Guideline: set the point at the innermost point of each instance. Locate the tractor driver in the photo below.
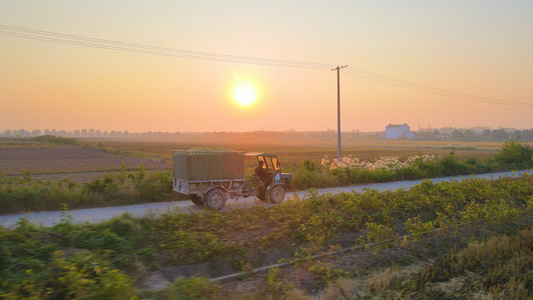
(263, 174)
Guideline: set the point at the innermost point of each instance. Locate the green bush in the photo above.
(155, 186)
(87, 276)
(107, 186)
(515, 153)
(318, 178)
(449, 166)
(18, 195)
(194, 288)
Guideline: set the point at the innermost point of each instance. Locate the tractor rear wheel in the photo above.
(196, 199)
(277, 194)
(215, 199)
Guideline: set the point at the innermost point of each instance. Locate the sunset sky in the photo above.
(476, 48)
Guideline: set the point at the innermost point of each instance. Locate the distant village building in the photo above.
(395, 132)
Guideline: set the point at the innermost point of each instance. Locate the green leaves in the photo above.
(515, 153)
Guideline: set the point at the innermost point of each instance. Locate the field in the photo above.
(293, 152)
(80, 164)
(99, 157)
(446, 240)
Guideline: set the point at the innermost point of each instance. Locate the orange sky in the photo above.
(480, 48)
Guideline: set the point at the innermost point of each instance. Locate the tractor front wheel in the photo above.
(277, 194)
(215, 199)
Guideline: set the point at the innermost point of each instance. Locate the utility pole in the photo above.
(339, 111)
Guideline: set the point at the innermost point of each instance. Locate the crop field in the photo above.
(77, 163)
(99, 157)
(294, 152)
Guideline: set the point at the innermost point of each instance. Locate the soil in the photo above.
(79, 164)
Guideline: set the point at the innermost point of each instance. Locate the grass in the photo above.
(69, 258)
(116, 188)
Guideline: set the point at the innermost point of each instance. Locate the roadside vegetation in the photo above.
(350, 170)
(120, 187)
(117, 188)
(449, 239)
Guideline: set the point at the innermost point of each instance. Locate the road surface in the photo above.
(95, 215)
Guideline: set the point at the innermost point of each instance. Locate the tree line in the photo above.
(83, 133)
(486, 134)
(448, 133)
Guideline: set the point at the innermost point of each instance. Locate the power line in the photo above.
(356, 72)
(77, 40)
(152, 50)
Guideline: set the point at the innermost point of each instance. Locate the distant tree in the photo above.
(486, 134)
(457, 135)
(500, 134)
(63, 133)
(517, 134)
(47, 132)
(54, 132)
(8, 133)
(84, 132)
(36, 132)
(98, 132)
(91, 132)
(24, 133)
(469, 134)
(527, 134)
(77, 133)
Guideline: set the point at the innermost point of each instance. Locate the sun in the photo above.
(244, 93)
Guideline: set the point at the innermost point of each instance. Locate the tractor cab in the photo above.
(267, 176)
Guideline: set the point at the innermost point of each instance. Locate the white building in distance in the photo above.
(396, 132)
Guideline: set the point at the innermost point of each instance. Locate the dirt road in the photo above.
(95, 215)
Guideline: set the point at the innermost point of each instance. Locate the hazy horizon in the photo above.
(79, 132)
(477, 51)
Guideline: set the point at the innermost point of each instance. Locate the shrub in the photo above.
(449, 166)
(194, 288)
(515, 153)
(155, 186)
(86, 276)
(106, 186)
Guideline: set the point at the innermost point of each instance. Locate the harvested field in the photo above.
(81, 177)
(57, 162)
(292, 152)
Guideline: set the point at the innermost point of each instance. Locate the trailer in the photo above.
(212, 177)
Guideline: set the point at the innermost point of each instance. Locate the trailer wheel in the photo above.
(215, 199)
(277, 194)
(196, 199)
